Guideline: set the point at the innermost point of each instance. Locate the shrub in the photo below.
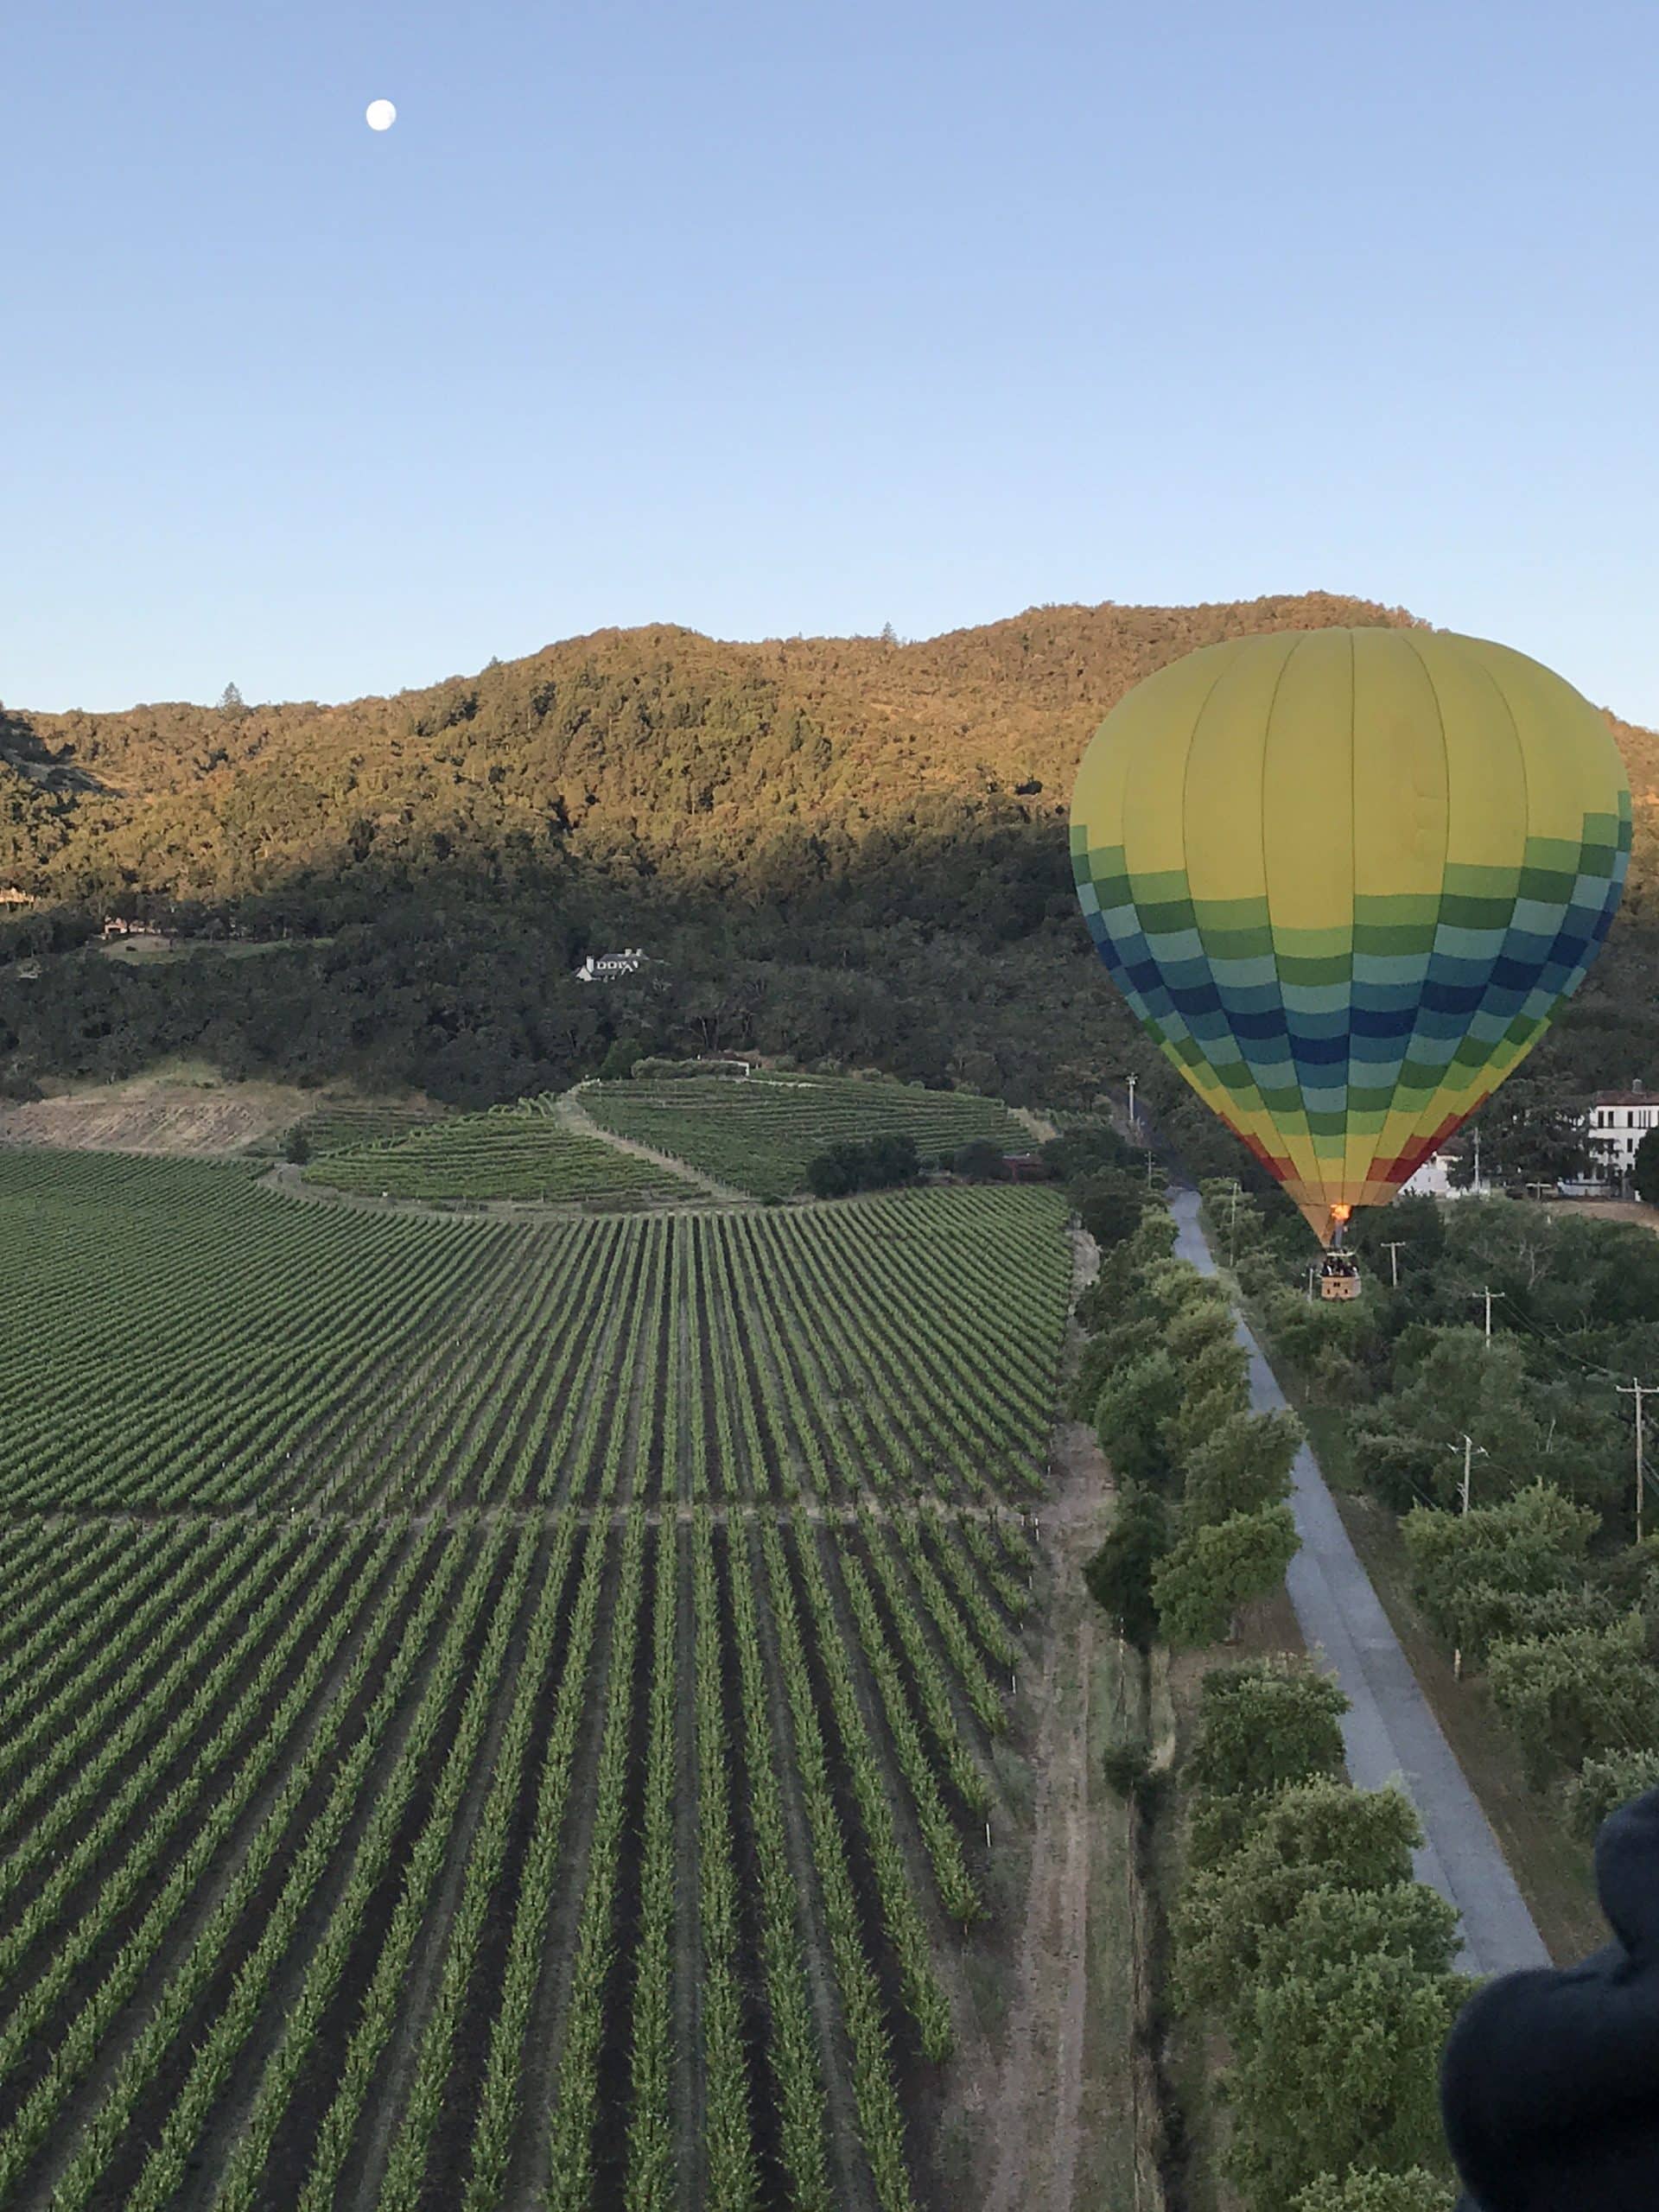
(1267, 1725)
(1407, 1921)
(1126, 1767)
(1318, 1835)
(1216, 1569)
(1244, 1464)
(1130, 1414)
(1604, 1783)
(1568, 1698)
(618, 1063)
(1368, 2188)
(981, 1161)
(1342, 2064)
(1119, 1574)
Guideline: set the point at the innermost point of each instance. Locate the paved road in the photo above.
(1390, 1731)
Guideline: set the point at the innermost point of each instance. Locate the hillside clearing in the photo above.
(157, 1117)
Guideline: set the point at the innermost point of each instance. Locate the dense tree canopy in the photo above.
(831, 847)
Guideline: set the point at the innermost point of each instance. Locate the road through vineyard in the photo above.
(506, 1714)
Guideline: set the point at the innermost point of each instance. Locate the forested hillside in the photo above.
(848, 848)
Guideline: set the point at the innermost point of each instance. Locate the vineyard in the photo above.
(503, 1714)
(346, 1124)
(759, 1134)
(516, 1154)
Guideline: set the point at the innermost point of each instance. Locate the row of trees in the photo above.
(1567, 1639)
(880, 1163)
(1528, 1575)
(1300, 1927)
(1202, 1525)
(1574, 1309)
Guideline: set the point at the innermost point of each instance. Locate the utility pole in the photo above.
(1232, 1220)
(1313, 1270)
(1489, 1294)
(1132, 1081)
(1392, 1247)
(1476, 1133)
(1638, 1391)
(1470, 1448)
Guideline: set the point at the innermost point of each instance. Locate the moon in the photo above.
(380, 115)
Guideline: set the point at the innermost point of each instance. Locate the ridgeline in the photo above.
(835, 848)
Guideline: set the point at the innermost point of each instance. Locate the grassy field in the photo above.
(495, 1714)
(497, 1155)
(759, 1134)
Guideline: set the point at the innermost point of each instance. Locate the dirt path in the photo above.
(693, 1192)
(1034, 2105)
(1039, 1125)
(291, 1184)
(574, 1117)
(530, 1213)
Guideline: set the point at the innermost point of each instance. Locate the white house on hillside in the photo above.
(600, 969)
(1617, 1121)
(1431, 1180)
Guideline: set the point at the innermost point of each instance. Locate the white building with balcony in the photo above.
(597, 967)
(1617, 1121)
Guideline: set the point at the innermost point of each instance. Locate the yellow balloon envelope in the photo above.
(1345, 878)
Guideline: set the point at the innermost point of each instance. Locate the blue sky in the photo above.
(770, 319)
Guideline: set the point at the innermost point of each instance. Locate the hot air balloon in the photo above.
(1345, 878)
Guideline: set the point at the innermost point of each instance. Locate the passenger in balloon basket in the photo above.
(1549, 2081)
(1338, 1274)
